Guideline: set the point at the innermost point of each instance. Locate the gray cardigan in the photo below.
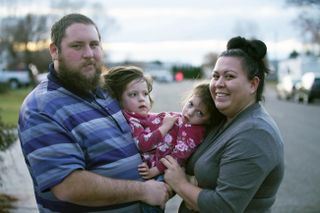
(241, 166)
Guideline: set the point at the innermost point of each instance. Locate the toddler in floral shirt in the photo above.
(166, 133)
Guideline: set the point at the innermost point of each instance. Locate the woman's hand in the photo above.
(174, 174)
(177, 179)
(192, 180)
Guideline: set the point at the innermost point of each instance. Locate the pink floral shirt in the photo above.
(180, 142)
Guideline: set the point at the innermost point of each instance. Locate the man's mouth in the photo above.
(89, 63)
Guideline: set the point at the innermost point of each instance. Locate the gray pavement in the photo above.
(16, 180)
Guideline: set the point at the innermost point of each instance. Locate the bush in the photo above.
(7, 135)
(4, 87)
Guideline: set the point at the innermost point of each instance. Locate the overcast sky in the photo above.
(185, 30)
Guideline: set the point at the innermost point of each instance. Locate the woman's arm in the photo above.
(178, 181)
(232, 177)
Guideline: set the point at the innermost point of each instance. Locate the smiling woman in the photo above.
(240, 164)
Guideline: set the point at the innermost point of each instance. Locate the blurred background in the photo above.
(177, 43)
(162, 34)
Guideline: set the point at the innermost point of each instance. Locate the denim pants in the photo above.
(146, 208)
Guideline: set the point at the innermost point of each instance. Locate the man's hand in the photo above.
(156, 193)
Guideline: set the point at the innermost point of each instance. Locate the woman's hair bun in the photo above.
(254, 48)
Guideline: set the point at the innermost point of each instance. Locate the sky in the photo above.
(184, 31)
(187, 30)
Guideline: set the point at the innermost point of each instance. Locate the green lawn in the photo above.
(10, 104)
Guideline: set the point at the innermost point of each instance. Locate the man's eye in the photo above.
(94, 45)
(76, 46)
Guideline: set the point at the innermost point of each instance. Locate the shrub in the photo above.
(4, 87)
(7, 135)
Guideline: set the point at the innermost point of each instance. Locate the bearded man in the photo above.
(76, 142)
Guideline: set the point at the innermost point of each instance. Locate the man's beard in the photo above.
(76, 81)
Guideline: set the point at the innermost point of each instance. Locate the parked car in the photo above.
(308, 88)
(15, 78)
(160, 75)
(158, 71)
(286, 87)
(290, 73)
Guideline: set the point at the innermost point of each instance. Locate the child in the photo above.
(160, 134)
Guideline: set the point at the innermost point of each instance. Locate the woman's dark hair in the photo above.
(202, 91)
(58, 30)
(117, 78)
(252, 53)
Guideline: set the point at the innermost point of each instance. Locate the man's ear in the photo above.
(53, 51)
(254, 84)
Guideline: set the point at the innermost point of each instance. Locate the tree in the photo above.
(309, 19)
(23, 39)
(22, 35)
(209, 61)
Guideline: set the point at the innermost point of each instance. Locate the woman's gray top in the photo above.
(239, 167)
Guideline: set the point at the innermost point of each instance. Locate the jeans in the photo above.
(146, 208)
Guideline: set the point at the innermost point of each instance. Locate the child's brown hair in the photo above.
(202, 91)
(117, 78)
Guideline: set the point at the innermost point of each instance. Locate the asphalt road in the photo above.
(299, 124)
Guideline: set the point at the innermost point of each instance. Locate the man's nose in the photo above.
(87, 52)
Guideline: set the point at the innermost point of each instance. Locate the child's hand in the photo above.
(167, 124)
(169, 120)
(146, 172)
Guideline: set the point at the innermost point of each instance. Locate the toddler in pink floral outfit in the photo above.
(166, 133)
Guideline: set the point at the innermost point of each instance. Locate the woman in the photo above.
(240, 165)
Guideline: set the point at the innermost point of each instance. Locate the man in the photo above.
(76, 142)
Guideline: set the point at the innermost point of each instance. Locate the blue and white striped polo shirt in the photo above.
(61, 132)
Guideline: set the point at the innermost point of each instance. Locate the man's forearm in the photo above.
(89, 189)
